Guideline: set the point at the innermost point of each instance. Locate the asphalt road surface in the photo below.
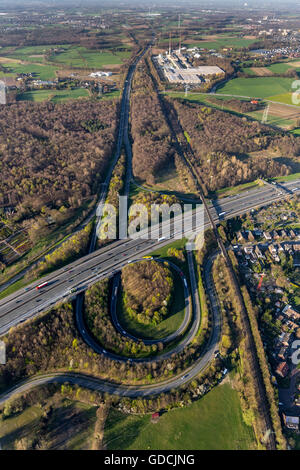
(80, 274)
(137, 390)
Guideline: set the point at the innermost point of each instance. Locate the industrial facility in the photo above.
(177, 69)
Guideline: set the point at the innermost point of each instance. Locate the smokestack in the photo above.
(179, 33)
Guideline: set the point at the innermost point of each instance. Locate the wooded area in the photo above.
(147, 287)
(153, 149)
(53, 157)
(222, 142)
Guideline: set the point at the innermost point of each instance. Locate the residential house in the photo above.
(258, 252)
(291, 313)
(291, 422)
(282, 369)
(283, 353)
(284, 339)
(283, 234)
(267, 235)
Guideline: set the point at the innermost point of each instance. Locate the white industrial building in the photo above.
(177, 69)
(100, 74)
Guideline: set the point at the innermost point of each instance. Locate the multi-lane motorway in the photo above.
(106, 261)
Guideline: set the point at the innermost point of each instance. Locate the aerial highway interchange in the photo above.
(72, 280)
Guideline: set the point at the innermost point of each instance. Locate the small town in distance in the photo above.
(149, 229)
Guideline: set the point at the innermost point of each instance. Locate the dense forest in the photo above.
(222, 142)
(147, 288)
(53, 157)
(55, 35)
(153, 149)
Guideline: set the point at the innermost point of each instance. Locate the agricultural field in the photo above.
(279, 68)
(223, 41)
(55, 96)
(213, 422)
(46, 65)
(272, 88)
(41, 72)
(77, 56)
(71, 426)
(209, 41)
(29, 53)
(261, 87)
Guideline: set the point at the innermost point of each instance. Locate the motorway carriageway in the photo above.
(132, 391)
(105, 262)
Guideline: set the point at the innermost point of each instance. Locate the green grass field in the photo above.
(111, 95)
(248, 71)
(261, 87)
(19, 426)
(29, 53)
(236, 189)
(285, 98)
(279, 68)
(71, 56)
(77, 56)
(223, 41)
(295, 131)
(41, 72)
(55, 96)
(211, 423)
(164, 328)
(61, 433)
(202, 98)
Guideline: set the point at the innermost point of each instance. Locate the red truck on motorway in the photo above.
(42, 285)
